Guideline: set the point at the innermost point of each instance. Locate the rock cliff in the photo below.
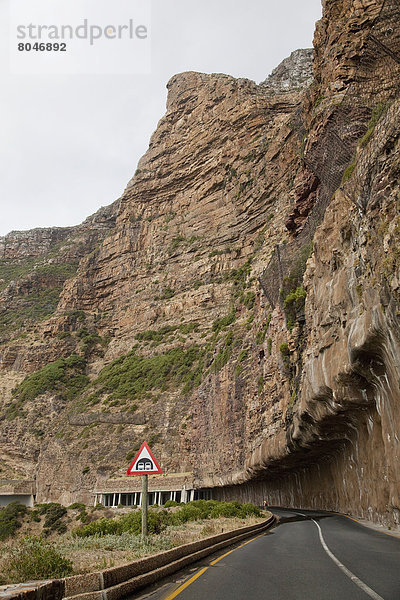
(239, 306)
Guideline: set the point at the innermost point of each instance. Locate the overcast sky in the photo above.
(70, 143)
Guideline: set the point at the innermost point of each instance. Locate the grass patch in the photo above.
(159, 520)
(34, 307)
(348, 172)
(220, 324)
(377, 112)
(249, 300)
(64, 375)
(158, 336)
(284, 350)
(132, 375)
(35, 559)
(224, 354)
(11, 271)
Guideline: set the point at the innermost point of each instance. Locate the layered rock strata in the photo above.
(297, 401)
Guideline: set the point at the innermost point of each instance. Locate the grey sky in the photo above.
(70, 143)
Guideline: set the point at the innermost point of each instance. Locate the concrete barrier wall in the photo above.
(34, 590)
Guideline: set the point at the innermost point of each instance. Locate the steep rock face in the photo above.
(340, 39)
(210, 187)
(340, 449)
(295, 72)
(35, 264)
(344, 431)
(24, 244)
(196, 210)
(254, 394)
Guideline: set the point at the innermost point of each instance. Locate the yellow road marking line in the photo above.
(186, 584)
(233, 550)
(192, 579)
(372, 528)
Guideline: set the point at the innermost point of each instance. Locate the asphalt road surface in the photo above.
(308, 556)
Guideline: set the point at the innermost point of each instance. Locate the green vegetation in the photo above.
(157, 336)
(59, 271)
(377, 112)
(42, 299)
(293, 304)
(284, 350)
(10, 519)
(224, 353)
(89, 340)
(53, 514)
(11, 271)
(250, 320)
(249, 300)
(167, 294)
(239, 278)
(230, 173)
(180, 240)
(34, 559)
(260, 336)
(160, 519)
(130, 523)
(77, 506)
(65, 375)
(293, 398)
(292, 294)
(77, 315)
(169, 216)
(133, 451)
(318, 101)
(348, 172)
(243, 355)
(187, 328)
(36, 307)
(220, 324)
(269, 346)
(166, 333)
(226, 250)
(132, 375)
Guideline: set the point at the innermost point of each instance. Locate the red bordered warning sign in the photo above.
(144, 463)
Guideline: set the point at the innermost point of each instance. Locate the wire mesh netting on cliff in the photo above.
(364, 109)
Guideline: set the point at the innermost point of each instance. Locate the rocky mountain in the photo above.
(239, 306)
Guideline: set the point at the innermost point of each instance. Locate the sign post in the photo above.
(144, 464)
(145, 487)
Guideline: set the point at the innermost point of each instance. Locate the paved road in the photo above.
(309, 556)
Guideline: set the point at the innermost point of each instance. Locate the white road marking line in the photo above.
(346, 571)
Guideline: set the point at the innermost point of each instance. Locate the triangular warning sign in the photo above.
(144, 463)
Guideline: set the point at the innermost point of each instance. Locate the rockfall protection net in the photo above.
(375, 85)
